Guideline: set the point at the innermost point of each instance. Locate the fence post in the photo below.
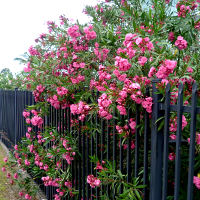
(157, 138)
(16, 89)
(1, 110)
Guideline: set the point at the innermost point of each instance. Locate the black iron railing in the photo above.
(150, 155)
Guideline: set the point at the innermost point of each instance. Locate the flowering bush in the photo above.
(106, 66)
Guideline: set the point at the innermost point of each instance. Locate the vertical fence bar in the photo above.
(114, 145)
(97, 151)
(192, 142)
(178, 142)
(137, 141)
(114, 139)
(129, 151)
(166, 142)
(121, 156)
(108, 150)
(92, 154)
(16, 132)
(80, 166)
(146, 150)
(102, 145)
(83, 163)
(88, 164)
(156, 147)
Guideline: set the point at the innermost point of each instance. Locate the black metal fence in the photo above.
(12, 124)
(147, 160)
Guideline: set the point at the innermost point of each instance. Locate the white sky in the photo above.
(22, 21)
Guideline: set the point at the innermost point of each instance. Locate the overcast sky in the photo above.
(21, 21)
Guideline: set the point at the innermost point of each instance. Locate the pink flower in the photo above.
(132, 124)
(27, 163)
(198, 138)
(121, 109)
(93, 181)
(37, 121)
(171, 36)
(40, 88)
(8, 175)
(147, 104)
(173, 137)
(5, 159)
(166, 68)
(21, 194)
(16, 176)
(173, 124)
(152, 71)
(122, 63)
(73, 31)
(27, 196)
(142, 60)
(26, 114)
(3, 169)
(99, 166)
(16, 147)
(189, 69)
(89, 33)
(172, 156)
(181, 43)
(62, 91)
(28, 120)
(196, 181)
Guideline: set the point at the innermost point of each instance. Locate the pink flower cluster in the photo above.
(182, 9)
(122, 63)
(77, 79)
(142, 60)
(26, 196)
(147, 104)
(81, 109)
(101, 54)
(26, 114)
(104, 103)
(28, 68)
(69, 155)
(61, 91)
(173, 123)
(89, 33)
(37, 93)
(93, 181)
(121, 77)
(131, 40)
(37, 121)
(166, 68)
(103, 75)
(181, 43)
(33, 51)
(56, 103)
(73, 31)
(50, 182)
(127, 129)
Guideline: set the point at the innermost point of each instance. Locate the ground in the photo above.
(7, 191)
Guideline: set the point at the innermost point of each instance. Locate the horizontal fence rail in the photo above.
(147, 160)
